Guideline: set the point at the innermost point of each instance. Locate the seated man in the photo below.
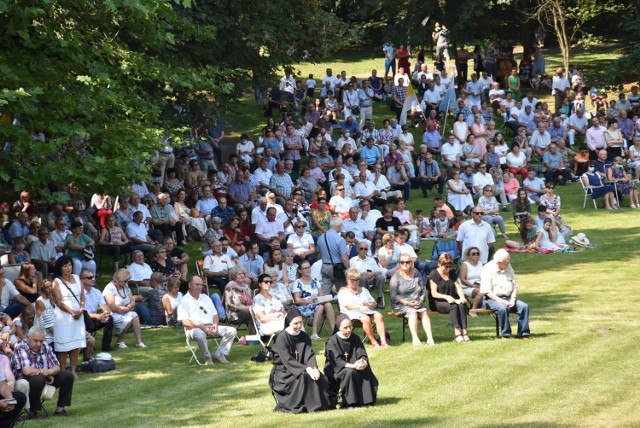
(137, 233)
(370, 272)
(366, 190)
(398, 177)
(356, 302)
(204, 206)
(429, 175)
(11, 403)
(200, 320)
(162, 219)
(268, 229)
(93, 299)
(223, 211)
(557, 171)
(452, 155)
(140, 272)
(357, 225)
(216, 267)
(57, 213)
(179, 258)
(533, 185)
(35, 361)
(43, 253)
(500, 289)
(370, 153)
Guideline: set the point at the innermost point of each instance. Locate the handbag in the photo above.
(85, 315)
(355, 110)
(338, 269)
(89, 253)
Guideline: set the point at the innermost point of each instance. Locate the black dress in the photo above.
(357, 388)
(457, 312)
(292, 387)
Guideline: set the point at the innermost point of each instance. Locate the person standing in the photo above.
(500, 289)
(333, 250)
(559, 88)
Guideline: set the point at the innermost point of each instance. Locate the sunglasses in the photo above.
(474, 254)
(405, 262)
(88, 277)
(363, 249)
(268, 282)
(477, 213)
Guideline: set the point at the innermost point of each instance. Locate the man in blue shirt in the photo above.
(370, 153)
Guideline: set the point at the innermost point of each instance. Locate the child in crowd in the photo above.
(424, 225)
(443, 230)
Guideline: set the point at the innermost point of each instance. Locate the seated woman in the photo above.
(471, 153)
(118, 296)
(115, 241)
(27, 282)
(449, 297)
(388, 255)
(623, 183)
(301, 243)
(550, 201)
(74, 245)
(521, 206)
(305, 291)
(275, 261)
(189, 218)
(458, 195)
(510, 185)
(469, 276)
(269, 310)
(237, 299)
(233, 231)
(24, 322)
(408, 296)
(358, 304)
(593, 183)
(18, 252)
(290, 268)
(406, 220)
(279, 290)
(347, 367)
(170, 302)
(546, 240)
(163, 264)
(528, 232)
(517, 161)
(297, 384)
(491, 208)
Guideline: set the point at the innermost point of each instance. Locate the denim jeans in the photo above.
(502, 311)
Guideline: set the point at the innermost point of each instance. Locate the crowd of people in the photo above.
(297, 219)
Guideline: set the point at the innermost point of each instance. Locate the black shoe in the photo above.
(379, 303)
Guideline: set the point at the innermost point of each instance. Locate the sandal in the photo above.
(466, 338)
(431, 342)
(458, 338)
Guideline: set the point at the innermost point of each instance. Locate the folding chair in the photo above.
(587, 192)
(260, 335)
(200, 270)
(194, 349)
(449, 246)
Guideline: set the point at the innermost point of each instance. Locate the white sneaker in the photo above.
(122, 345)
(141, 345)
(315, 337)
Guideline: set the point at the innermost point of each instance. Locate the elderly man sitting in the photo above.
(371, 274)
(35, 361)
(356, 302)
(500, 289)
(200, 319)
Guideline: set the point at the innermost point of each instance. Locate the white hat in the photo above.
(580, 239)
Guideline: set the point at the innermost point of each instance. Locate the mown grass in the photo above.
(579, 368)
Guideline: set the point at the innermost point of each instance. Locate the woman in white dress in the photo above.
(268, 310)
(170, 302)
(459, 196)
(469, 276)
(118, 296)
(68, 328)
(547, 237)
(184, 214)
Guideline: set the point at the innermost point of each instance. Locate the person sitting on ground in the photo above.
(306, 290)
(449, 298)
(528, 233)
(200, 319)
(297, 384)
(521, 206)
(408, 296)
(117, 295)
(546, 241)
(347, 366)
(358, 304)
(35, 361)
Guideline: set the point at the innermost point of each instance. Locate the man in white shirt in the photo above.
(266, 230)
(514, 115)
(331, 79)
(371, 274)
(540, 140)
(533, 185)
(370, 216)
(339, 202)
(423, 72)
(530, 100)
(577, 125)
(382, 183)
(527, 120)
(356, 225)
(200, 319)
(401, 74)
(430, 100)
(483, 178)
(496, 95)
(476, 233)
(559, 88)
(216, 267)
(486, 82)
(366, 190)
(474, 91)
(94, 300)
(8, 293)
(452, 155)
(137, 233)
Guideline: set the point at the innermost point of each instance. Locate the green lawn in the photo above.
(577, 370)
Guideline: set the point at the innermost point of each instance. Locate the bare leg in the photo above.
(317, 319)
(62, 359)
(477, 300)
(124, 331)
(135, 326)
(426, 325)
(73, 357)
(382, 332)
(413, 328)
(331, 316)
(368, 329)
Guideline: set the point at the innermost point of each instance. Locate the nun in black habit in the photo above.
(347, 366)
(297, 384)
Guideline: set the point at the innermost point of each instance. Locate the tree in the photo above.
(568, 19)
